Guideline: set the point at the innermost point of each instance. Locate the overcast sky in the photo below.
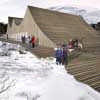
(17, 7)
(12, 8)
(46, 3)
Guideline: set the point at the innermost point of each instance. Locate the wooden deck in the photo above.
(87, 72)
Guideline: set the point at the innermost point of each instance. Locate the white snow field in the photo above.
(26, 77)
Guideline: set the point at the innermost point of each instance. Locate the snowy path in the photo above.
(25, 77)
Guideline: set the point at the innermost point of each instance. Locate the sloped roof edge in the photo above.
(52, 11)
(16, 19)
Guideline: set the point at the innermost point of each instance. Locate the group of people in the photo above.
(61, 52)
(31, 40)
(73, 43)
(61, 55)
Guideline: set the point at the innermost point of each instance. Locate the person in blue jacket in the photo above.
(58, 55)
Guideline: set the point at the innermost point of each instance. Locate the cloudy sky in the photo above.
(12, 8)
(46, 3)
(17, 7)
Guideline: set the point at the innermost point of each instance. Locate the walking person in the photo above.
(29, 41)
(33, 40)
(23, 38)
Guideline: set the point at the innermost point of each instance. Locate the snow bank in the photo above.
(25, 77)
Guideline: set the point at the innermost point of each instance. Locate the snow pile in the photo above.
(25, 77)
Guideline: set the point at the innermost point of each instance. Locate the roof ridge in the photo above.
(15, 17)
(53, 11)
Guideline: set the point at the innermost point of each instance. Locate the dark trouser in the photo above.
(65, 60)
(33, 45)
(58, 60)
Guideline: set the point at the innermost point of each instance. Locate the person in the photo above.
(65, 55)
(7, 36)
(23, 38)
(58, 55)
(33, 40)
(70, 44)
(76, 43)
(29, 41)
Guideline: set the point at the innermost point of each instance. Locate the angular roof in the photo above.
(60, 27)
(16, 20)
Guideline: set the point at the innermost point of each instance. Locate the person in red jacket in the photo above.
(33, 41)
(70, 44)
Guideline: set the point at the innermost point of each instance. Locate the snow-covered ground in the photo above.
(25, 77)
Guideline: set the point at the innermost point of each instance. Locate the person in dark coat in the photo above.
(23, 38)
(7, 36)
(65, 55)
(76, 43)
